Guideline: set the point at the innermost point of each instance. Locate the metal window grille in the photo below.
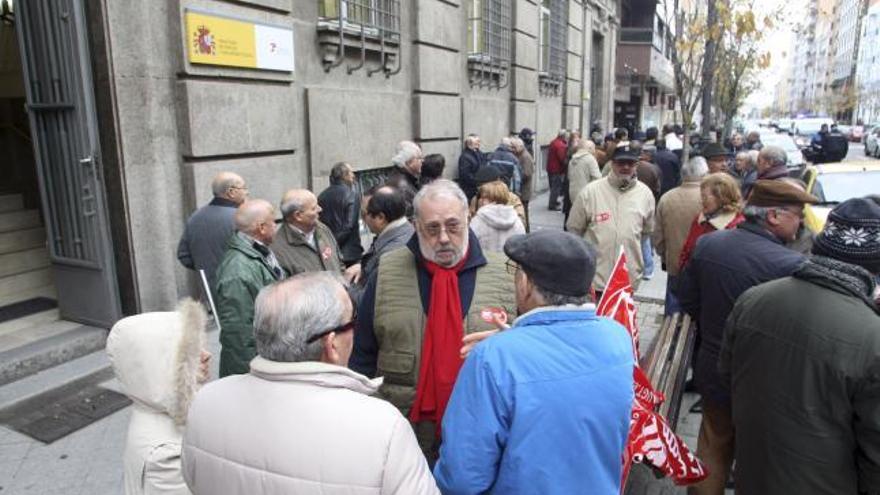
(553, 33)
(489, 23)
(381, 15)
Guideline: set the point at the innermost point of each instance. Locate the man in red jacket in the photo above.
(556, 167)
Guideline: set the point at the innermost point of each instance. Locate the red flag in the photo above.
(650, 439)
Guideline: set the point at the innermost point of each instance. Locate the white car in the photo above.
(793, 153)
(872, 143)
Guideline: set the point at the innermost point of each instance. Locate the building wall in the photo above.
(869, 67)
(180, 123)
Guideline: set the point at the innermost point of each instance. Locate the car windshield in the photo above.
(784, 142)
(839, 187)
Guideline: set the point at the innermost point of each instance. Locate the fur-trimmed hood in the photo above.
(156, 357)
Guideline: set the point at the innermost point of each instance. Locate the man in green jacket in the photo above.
(247, 267)
(802, 356)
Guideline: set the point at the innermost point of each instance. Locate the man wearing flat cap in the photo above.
(723, 265)
(543, 406)
(803, 353)
(615, 211)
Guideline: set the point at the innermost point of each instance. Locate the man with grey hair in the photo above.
(340, 211)
(723, 265)
(307, 418)
(470, 161)
(248, 266)
(744, 171)
(407, 161)
(771, 163)
(420, 303)
(203, 242)
(304, 243)
(676, 211)
(527, 169)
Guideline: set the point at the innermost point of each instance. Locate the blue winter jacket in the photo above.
(543, 407)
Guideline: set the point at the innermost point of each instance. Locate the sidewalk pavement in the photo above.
(89, 461)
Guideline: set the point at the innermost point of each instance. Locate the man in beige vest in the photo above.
(420, 303)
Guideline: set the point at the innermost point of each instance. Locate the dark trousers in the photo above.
(555, 190)
(526, 209)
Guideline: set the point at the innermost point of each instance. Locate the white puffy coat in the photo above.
(303, 428)
(156, 358)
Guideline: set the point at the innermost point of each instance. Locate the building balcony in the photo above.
(639, 58)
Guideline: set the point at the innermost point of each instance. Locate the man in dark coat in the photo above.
(203, 242)
(469, 163)
(507, 164)
(725, 264)
(803, 356)
(670, 167)
(340, 210)
(407, 161)
(385, 215)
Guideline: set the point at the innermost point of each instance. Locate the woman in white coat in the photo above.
(160, 360)
(495, 220)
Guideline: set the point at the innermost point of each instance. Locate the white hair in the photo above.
(439, 188)
(695, 168)
(406, 151)
(774, 154)
(250, 213)
(287, 313)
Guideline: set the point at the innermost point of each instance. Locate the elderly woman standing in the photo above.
(722, 209)
(495, 220)
(583, 167)
(160, 360)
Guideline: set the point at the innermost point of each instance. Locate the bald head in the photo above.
(229, 185)
(299, 207)
(256, 218)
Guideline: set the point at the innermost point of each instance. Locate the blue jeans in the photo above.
(648, 256)
(672, 305)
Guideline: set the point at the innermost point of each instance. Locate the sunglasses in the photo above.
(345, 327)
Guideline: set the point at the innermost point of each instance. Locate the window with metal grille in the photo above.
(488, 42)
(366, 27)
(553, 40)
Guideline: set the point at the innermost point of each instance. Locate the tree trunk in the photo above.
(708, 68)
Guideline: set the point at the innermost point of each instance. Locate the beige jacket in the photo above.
(676, 211)
(304, 428)
(155, 356)
(608, 219)
(582, 169)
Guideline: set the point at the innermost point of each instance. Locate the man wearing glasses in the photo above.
(544, 406)
(724, 265)
(420, 303)
(301, 421)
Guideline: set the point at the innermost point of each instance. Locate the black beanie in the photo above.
(852, 234)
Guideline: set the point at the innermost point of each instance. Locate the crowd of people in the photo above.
(461, 351)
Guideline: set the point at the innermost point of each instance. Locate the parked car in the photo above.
(855, 133)
(834, 183)
(872, 143)
(794, 154)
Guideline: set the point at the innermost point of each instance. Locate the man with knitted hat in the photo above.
(802, 354)
(723, 265)
(543, 406)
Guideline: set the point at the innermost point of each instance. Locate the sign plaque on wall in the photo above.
(219, 40)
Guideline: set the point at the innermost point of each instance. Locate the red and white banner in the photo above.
(650, 439)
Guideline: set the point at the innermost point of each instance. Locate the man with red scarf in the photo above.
(420, 303)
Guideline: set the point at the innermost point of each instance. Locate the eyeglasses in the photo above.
(511, 266)
(451, 227)
(241, 188)
(341, 328)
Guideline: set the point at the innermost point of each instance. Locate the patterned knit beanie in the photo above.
(852, 234)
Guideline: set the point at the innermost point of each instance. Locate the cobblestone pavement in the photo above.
(89, 461)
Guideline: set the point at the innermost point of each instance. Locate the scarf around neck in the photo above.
(839, 276)
(444, 329)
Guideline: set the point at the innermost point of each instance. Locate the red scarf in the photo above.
(441, 360)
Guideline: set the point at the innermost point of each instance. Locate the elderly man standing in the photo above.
(744, 172)
(676, 211)
(615, 211)
(724, 265)
(717, 157)
(300, 421)
(583, 168)
(340, 209)
(470, 161)
(771, 163)
(247, 267)
(407, 161)
(385, 215)
(527, 168)
(803, 354)
(421, 302)
(507, 164)
(203, 242)
(557, 154)
(522, 418)
(304, 244)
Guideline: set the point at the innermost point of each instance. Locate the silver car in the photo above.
(872, 142)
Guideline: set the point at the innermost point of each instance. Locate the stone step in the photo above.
(44, 347)
(92, 364)
(21, 240)
(11, 202)
(29, 334)
(14, 288)
(23, 323)
(23, 261)
(19, 220)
